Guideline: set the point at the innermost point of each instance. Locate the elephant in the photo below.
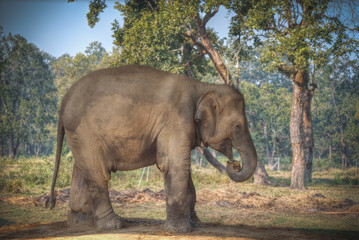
(133, 116)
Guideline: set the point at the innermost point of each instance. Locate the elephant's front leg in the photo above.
(178, 203)
(174, 162)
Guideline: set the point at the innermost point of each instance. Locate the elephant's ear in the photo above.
(206, 116)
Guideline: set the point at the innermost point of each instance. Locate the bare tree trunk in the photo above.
(297, 134)
(308, 132)
(274, 147)
(260, 175)
(38, 149)
(12, 146)
(343, 143)
(330, 154)
(344, 152)
(269, 159)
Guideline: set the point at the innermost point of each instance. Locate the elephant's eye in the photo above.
(238, 127)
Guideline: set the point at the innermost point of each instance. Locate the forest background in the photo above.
(160, 35)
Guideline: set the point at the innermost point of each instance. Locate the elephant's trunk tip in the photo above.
(239, 173)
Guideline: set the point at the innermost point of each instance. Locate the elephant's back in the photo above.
(112, 87)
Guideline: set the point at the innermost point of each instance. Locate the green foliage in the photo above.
(27, 96)
(297, 33)
(154, 34)
(334, 109)
(67, 69)
(268, 106)
(95, 8)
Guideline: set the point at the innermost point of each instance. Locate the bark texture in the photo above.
(260, 175)
(308, 132)
(297, 132)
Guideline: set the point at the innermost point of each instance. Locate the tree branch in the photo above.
(188, 63)
(209, 15)
(195, 41)
(338, 22)
(285, 69)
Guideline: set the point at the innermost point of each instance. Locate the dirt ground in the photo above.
(153, 229)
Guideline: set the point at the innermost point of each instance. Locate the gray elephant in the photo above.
(133, 116)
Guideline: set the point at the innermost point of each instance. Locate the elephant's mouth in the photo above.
(236, 171)
(226, 148)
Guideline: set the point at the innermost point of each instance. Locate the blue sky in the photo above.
(58, 27)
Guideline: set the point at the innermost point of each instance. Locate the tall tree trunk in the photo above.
(11, 146)
(296, 132)
(269, 159)
(38, 150)
(344, 152)
(343, 143)
(308, 132)
(274, 147)
(330, 154)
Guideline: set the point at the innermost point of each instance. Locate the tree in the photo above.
(169, 35)
(68, 70)
(298, 35)
(27, 96)
(267, 107)
(335, 110)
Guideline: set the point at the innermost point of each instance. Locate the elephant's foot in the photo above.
(79, 219)
(194, 220)
(178, 225)
(110, 222)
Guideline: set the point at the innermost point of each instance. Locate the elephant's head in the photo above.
(222, 124)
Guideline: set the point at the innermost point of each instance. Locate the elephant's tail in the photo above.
(60, 138)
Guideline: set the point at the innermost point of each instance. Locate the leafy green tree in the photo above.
(170, 35)
(298, 35)
(335, 111)
(68, 70)
(27, 96)
(268, 109)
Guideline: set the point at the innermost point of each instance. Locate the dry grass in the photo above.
(329, 205)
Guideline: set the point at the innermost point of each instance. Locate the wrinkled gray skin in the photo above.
(133, 116)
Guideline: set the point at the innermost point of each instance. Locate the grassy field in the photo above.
(330, 205)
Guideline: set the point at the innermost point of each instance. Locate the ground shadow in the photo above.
(153, 229)
(5, 222)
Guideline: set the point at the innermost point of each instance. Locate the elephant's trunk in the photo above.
(249, 161)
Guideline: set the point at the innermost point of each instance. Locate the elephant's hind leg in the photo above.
(96, 181)
(80, 201)
(104, 216)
